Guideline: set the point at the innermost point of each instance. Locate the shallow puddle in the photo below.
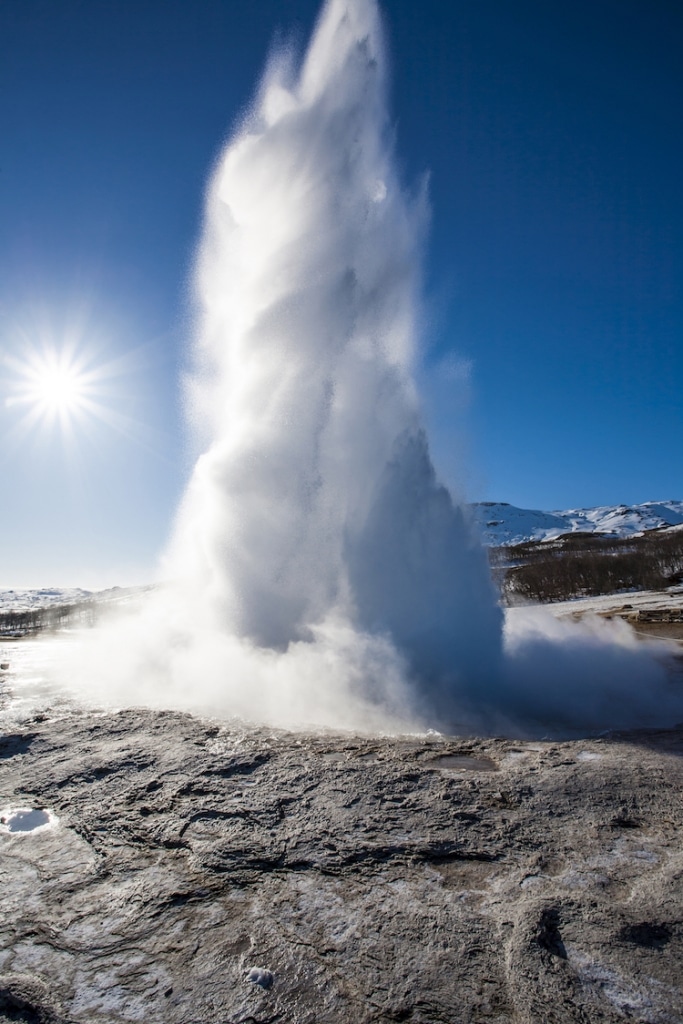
(463, 763)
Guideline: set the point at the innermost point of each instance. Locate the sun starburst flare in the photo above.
(63, 388)
(55, 387)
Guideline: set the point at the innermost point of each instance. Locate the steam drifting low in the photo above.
(322, 573)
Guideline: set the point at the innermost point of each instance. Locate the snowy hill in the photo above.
(501, 523)
(25, 600)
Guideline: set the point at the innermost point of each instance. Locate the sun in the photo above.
(68, 381)
(57, 389)
(55, 385)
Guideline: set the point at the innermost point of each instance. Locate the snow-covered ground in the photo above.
(501, 523)
(635, 601)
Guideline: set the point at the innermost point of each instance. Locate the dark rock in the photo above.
(654, 936)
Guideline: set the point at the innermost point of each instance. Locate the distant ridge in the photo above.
(504, 524)
(26, 599)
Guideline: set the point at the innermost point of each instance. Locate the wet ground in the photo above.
(187, 871)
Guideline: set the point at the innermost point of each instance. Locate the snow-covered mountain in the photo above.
(501, 523)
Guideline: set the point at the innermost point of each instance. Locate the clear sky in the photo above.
(553, 364)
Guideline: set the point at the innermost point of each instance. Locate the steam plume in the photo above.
(317, 497)
(323, 574)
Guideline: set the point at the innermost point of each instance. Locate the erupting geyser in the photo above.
(322, 575)
(317, 497)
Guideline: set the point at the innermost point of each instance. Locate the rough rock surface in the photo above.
(206, 873)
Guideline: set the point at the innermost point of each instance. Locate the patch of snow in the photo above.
(26, 819)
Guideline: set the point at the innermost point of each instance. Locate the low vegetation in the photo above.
(588, 564)
(21, 622)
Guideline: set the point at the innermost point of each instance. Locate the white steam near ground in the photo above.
(323, 575)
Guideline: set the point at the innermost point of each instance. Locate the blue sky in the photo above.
(553, 365)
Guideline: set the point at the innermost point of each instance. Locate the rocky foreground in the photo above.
(201, 873)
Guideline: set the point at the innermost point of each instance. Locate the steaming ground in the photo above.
(324, 576)
(558, 678)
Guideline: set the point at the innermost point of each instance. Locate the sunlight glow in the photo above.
(63, 386)
(58, 389)
(55, 386)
